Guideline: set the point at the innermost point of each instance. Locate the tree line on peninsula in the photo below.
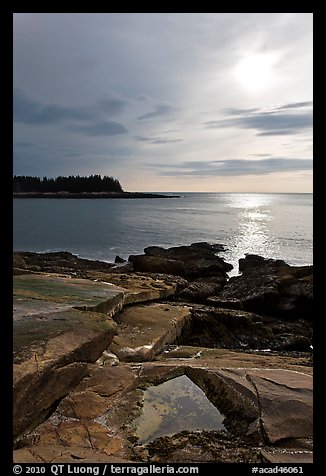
(71, 184)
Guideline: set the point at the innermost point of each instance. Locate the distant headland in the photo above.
(73, 186)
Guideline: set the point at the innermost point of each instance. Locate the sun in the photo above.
(256, 72)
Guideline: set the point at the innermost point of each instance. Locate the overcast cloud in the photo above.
(157, 100)
(287, 119)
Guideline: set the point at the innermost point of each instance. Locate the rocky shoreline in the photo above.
(90, 336)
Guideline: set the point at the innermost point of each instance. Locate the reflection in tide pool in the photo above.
(174, 406)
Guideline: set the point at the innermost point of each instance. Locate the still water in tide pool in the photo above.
(174, 406)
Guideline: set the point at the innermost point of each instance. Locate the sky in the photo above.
(207, 102)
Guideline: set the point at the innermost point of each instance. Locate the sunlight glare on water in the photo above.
(277, 226)
(253, 235)
(249, 200)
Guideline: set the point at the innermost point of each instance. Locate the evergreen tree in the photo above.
(71, 184)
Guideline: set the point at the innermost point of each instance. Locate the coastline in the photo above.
(91, 195)
(130, 224)
(91, 335)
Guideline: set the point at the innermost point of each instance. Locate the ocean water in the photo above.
(271, 225)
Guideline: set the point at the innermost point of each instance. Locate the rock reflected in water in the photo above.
(174, 406)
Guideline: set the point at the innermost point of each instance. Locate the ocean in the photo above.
(273, 225)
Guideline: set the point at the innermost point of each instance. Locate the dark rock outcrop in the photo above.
(118, 259)
(57, 262)
(251, 262)
(200, 289)
(195, 261)
(203, 245)
(235, 329)
(269, 287)
(153, 264)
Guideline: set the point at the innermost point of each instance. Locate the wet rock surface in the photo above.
(88, 348)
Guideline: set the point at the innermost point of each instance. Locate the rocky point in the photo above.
(90, 337)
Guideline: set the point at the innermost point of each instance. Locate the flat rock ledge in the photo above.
(95, 422)
(86, 349)
(61, 324)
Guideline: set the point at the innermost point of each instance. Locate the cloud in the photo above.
(87, 120)
(107, 128)
(249, 110)
(261, 155)
(103, 83)
(296, 105)
(160, 110)
(112, 105)
(156, 140)
(240, 111)
(283, 132)
(235, 167)
(273, 122)
(143, 98)
(28, 111)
